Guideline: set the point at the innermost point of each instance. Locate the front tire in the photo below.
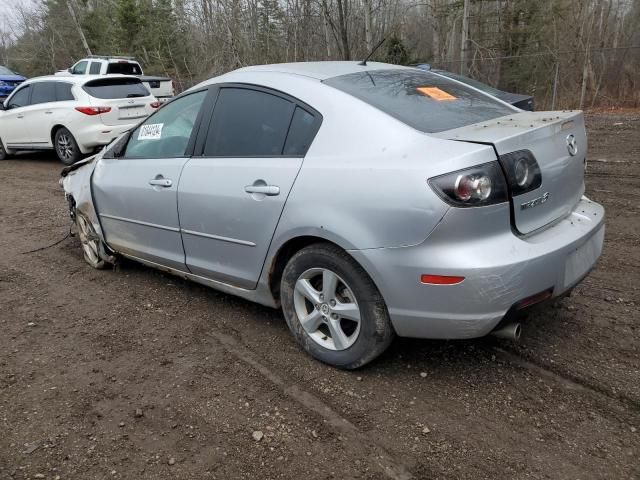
(3, 152)
(66, 147)
(91, 243)
(333, 308)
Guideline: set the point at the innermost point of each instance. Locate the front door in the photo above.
(136, 194)
(15, 127)
(230, 199)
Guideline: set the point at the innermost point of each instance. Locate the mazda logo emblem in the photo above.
(572, 144)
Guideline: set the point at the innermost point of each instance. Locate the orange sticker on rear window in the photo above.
(435, 93)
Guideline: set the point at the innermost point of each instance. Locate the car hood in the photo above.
(12, 78)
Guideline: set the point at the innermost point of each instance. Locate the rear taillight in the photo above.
(155, 104)
(522, 170)
(472, 187)
(93, 110)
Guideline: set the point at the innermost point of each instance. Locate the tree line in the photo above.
(567, 53)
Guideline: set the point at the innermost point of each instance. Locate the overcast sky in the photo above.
(6, 12)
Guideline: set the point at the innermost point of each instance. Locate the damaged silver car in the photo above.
(366, 201)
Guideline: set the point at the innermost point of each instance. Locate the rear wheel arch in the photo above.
(287, 250)
(54, 129)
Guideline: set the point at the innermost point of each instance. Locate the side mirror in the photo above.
(70, 70)
(2, 107)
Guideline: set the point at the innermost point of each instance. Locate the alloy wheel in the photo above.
(65, 146)
(89, 240)
(327, 309)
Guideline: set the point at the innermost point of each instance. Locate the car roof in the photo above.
(320, 70)
(76, 79)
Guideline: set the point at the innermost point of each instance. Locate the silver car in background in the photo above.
(365, 200)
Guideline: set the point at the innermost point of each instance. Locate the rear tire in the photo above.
(333, 308)
(66, 147)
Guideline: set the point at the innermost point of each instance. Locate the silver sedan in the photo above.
(366, 201)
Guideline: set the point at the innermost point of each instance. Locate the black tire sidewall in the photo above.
(3, 152)
(375, 327)
(77, 154)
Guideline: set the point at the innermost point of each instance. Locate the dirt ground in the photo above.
(136, 374)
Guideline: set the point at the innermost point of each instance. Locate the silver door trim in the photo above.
(139, 222)
(218, 237)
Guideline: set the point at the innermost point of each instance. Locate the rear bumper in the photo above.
(500, 269)
(96, 135)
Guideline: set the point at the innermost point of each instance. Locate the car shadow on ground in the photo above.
(447, 357)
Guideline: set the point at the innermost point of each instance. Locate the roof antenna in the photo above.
(364, 62)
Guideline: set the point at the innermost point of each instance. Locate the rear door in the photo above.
(230, 198)
(128, 99)
(136, 194)
(46, 110)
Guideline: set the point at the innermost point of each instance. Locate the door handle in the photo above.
(160, 182)
(270, 190)
(20, 116)
(48, 112)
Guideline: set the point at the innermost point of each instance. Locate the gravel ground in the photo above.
(136, 374)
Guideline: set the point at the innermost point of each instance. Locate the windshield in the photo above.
(6, 71)
(423, 100)
(124, 68)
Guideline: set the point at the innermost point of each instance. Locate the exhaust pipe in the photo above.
(510, 331)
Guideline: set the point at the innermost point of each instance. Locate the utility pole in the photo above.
(79, 28)
(464, 37)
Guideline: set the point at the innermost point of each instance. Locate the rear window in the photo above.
(124, 68)
(427, 102)
(6, 71)
(112, 88)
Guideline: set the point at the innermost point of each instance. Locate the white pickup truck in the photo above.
(160, 87)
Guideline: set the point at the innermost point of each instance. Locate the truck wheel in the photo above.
(333, 308)
(66, 147)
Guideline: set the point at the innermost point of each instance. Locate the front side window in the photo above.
(80, 68)
(248, 123)
(43, 92)
(166, 133)
(20, 98)
(94, 69)
(423, 100)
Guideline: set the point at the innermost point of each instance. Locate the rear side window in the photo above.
(166, 133)
(248, 123)
(302, 131)
(63, 91)
(43, 92)
(94, 69)
(124, 68)
(425, 101)
(113, 88)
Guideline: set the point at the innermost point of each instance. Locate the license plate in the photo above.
(132, 112)
(582, 260)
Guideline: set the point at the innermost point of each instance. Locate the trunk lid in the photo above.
(551, 138)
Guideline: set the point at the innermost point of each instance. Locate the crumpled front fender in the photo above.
(76, 182)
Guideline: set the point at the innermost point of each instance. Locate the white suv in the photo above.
(73, 115)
